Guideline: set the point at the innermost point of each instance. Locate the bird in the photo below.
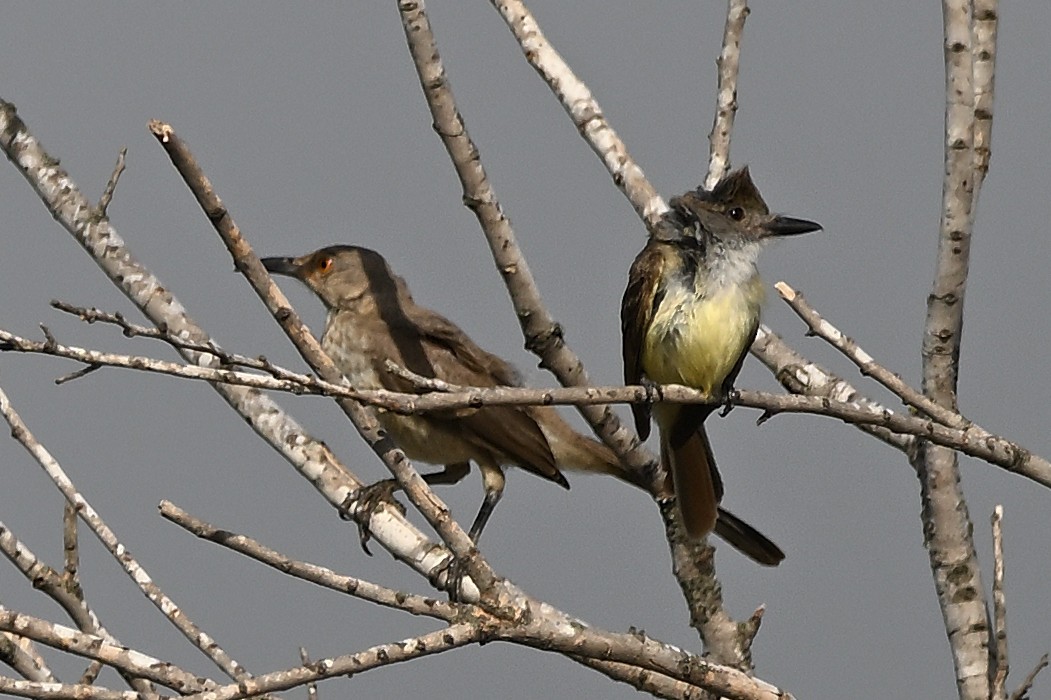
(689, 313)
(372, 318)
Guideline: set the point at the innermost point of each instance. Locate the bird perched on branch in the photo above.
(372, 318)
(689, 314)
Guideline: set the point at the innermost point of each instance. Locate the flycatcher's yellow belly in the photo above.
(697, 341)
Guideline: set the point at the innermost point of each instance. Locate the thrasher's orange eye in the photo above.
(325, 265)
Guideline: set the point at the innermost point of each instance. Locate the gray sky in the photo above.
(313, 129)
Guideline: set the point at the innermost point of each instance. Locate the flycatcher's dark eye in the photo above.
(737, 213)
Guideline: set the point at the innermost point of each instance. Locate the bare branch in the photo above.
(194, 634)
(61, 691)
(968, 437)
(1001, 667)
(945, 306)
(309, 456)
(132, 663)
(246, 261)
(543, 335)
(292, 382)
(802, 376)
(533, 630)
(21, 655)
(57, 587)
(985, 25)
(320, 575)
(947, 524)
(639, 650)
(445, 639)
(656, 684)
(91, 674)
(726, 103)
(82, 372)
(70, 547)
(132, 330)
(582, 108)
(865, 362)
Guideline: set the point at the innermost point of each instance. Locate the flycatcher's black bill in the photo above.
(788, 226)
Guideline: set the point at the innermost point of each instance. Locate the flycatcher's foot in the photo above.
(729, 401)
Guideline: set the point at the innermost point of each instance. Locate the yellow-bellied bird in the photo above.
(689, 314)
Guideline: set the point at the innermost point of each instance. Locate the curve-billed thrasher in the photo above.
(372, 318)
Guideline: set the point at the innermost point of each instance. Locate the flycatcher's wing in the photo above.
(636, 314)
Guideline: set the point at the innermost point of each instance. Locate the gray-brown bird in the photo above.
(373, 318)
(689, 314)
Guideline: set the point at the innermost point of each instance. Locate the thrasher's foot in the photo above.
(454, 573)
(366, 500)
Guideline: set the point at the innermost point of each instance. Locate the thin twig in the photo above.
(132, 330)
(1023, 690)
(82, 372)
(91, 673)
(111, 186)
(312, 686)
(799, 375)
(865, 362)
(276, 379)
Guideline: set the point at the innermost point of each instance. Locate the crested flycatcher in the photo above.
(689, 314)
